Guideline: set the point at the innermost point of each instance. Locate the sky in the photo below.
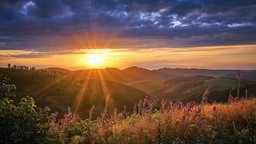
(214, 34)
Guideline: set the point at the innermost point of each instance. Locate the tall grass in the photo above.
(171, 123)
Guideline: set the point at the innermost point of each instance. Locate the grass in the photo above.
(172, 123)
(150, 122)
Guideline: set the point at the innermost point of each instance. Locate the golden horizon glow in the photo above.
(211, 57)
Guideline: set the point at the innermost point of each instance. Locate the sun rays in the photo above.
(95, 56)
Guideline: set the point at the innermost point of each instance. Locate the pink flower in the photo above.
(77, 117)
(207, 91)
(238, 74)
(139, 104)
(56, 125)
(145, 100)
(163, 102)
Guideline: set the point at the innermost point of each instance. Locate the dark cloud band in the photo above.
(158, 23)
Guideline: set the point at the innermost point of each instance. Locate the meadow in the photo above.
(150, 122)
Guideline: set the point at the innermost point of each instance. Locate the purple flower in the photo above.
(180, 104)
(214, 108)
(148, 108)
(190, 107)
(206, 98)
(199, 110)
(145, 100)
(56, 113)
(124, 112)
(154, 102)
(69, 117)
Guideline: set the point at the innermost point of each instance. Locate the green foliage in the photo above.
(22, 122)
(6, 90)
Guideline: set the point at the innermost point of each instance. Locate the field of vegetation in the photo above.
(150, 122)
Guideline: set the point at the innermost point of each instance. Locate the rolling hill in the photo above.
(191, 88)
(59, 88)
(58, 91)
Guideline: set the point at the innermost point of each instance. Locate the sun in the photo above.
(94, 59)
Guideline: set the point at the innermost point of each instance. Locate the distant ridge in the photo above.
(138, 73)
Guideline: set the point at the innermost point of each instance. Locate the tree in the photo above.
(9, 66)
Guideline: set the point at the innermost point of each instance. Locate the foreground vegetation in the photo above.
(167, 122)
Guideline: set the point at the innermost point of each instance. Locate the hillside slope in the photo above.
(60, 91)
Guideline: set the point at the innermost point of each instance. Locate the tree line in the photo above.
(20, 67)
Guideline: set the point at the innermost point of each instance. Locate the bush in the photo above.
(22, 122)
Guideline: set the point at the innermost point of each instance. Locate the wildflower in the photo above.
(77, 117)
(148, 108)
(190, 107)
(69, 117)
(124, 112)
(199, 110)
(231, 99)
(154, 102)
(205, 95)
(139, 104)
(56, 125)
(145, 100)
(135, 108)
(214, 108)
(206, 98)
(207, 91)
(56, 113)
(238, 74)
(180, 104)
(53, 120)
(163, 102)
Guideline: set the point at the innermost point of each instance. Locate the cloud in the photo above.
(37, 24)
